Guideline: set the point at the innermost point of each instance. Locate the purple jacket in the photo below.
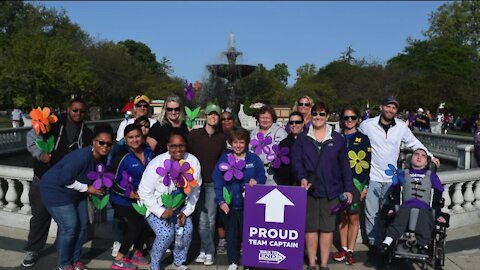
(333, 169)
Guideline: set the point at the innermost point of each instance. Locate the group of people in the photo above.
(169, 179)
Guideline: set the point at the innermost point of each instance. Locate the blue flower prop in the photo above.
(398, 175)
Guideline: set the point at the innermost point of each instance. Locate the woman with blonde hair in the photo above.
(303, 105)
(170, 118)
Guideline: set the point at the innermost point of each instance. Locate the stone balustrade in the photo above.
(462, 196)
(443, 146)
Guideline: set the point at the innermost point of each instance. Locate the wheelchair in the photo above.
(406, 249)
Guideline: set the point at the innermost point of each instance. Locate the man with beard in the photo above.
(386, 133)
(70, 133)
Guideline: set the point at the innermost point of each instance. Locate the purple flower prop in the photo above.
(167, 172)
(278, 156)
(261, 144)
(183, 172)
(126, 183)
(100, 177)
(342, 206)
(232, 169)
(174, 172)
(398, 175)
(188, 89)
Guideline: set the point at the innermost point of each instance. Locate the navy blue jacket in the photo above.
(253, 169)
(332, 174)
(134, 167)
(72, 167)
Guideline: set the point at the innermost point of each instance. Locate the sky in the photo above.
(194, 34)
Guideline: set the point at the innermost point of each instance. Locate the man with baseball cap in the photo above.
(142, 105)
(207, 144)
(386, 133)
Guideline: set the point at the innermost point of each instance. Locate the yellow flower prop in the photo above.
(357, 161)
(41, 119)
(187, 187)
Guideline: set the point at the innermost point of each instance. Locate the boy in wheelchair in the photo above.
(418, 203)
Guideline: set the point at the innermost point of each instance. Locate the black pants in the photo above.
(40, 221)
(423, 229)
(135, 229)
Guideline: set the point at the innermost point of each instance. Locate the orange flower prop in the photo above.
(189, 184)
(41, 119)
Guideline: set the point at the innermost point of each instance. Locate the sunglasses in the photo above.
(177, 145)
(296, 122)
(78, 110)
(102, 143)
(319, 114)
(177, 109)
(352, 117)
(227, 119)
(145, 125)
(141, 106)
(304, 104)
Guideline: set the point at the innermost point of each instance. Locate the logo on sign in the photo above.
(270, 256)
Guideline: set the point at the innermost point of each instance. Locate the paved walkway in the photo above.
(463, 252)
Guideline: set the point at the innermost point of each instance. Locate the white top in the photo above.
(151, 186)
(124, 123)
(386, 146)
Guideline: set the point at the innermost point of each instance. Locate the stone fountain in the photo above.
(232, 72)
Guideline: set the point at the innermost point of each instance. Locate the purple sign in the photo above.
(274, 226)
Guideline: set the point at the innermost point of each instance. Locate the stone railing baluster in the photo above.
(468, 196)
(446, 197)
(1, 194)
(457, 198)
(11, 196)
(25, 199)
(476, 193)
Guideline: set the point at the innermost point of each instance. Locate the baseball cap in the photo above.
(390, 100)
(420, 110)
(213, 108)
(141, 98)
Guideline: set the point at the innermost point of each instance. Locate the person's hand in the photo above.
(168, 213)
(45, 157)
(92, 190)
(252, 182)
(224, 207)
(134, 195)
(363, 194)
(305, 184)
(182, 218)
(436, 161)
(349, 197)
(441, 219)
(390, 213)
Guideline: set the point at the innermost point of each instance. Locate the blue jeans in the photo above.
(72, 221)
(377, 196)
(206, 224)
(233, 223)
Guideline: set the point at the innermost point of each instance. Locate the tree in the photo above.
(347, 55)
(458, 21)
(281, 73)
(306, 71)
(143, 54)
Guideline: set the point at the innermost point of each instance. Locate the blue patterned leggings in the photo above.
(165, 234)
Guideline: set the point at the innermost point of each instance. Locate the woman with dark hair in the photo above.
(267, 127)
(171, 117)
(232, 209)
(284, 174)
(171, 174)
(64, 189)
(124, 194)
(360, 154)
(320, 164)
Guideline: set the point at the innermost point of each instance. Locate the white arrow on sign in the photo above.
(275, 203)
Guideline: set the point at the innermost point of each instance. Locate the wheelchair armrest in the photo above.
(446, 216)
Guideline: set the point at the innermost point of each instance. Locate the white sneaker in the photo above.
(200, 258)
(115, 248)
(232, 267)
(208, 259)
(181, 267)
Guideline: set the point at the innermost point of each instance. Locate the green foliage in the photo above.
(227, 196)
(190, 116)
(100, 202)
(141, 209)
(46, 146)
